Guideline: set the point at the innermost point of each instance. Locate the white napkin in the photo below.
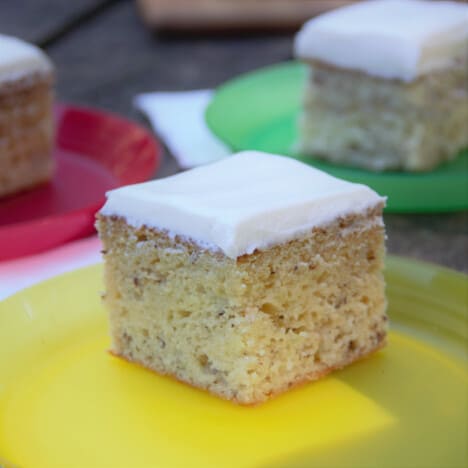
(179, 119)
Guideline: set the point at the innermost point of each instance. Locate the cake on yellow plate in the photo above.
(245, 277)
(26, 131)
(387, 87)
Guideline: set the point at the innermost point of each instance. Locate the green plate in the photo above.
(258, 111)
(65, 402)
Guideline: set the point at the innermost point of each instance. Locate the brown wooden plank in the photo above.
(38, 21)
(109, 60)
(187, 15)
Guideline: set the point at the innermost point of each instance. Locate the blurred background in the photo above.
(108, 51)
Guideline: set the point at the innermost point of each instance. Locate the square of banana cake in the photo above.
(245, 277)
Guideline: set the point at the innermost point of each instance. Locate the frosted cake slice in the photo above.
(245, 277)
(387, 86)
(26, 132)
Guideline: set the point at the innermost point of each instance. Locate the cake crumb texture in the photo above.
(354, 119)
(26, 132)
(252, 327)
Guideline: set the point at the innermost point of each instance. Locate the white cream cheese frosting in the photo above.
(245, 202)
(19, 58)
(393, 39)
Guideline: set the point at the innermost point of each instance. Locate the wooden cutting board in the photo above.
(196, 15)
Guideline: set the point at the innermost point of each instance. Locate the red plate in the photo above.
(95, 152)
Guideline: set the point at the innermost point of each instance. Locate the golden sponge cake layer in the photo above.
(26, 133)
(354, 119)
(250, 327)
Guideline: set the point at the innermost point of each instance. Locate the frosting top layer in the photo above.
(245, 202)
(393, 39)
(19, 58)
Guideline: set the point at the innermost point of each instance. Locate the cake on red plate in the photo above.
(26, 125)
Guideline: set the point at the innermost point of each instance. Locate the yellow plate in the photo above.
(65, 402)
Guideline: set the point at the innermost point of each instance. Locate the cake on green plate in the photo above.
(387, 85)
